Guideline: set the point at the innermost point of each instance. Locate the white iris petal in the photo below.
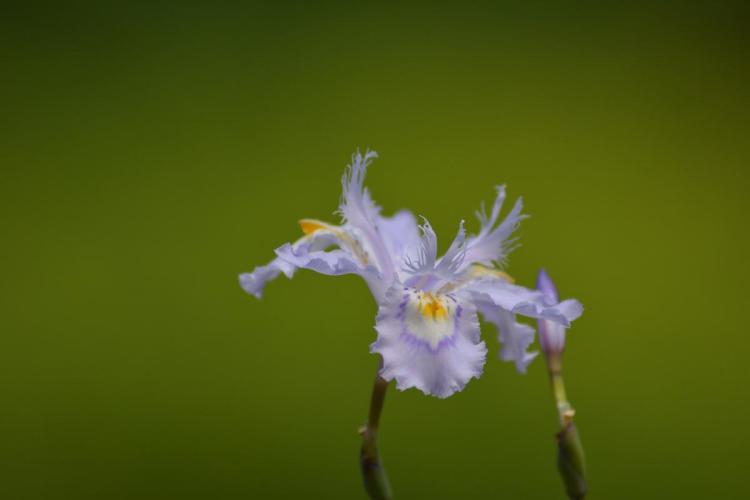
(428, 341)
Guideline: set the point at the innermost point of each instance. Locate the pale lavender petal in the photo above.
(361, 213)
(451, 262)
(545, 285)
(427, 341)
(425, 270)
(305, 255)
(520, 300)
(332, 263)
(515, 338)
(493, 244)
(253, 283)
(401, 235)
(309, 252)
(424, 260)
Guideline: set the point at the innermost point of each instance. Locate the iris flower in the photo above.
(427, 326)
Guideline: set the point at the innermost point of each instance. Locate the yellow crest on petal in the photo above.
(429, 317)
(480, 271)
(310, 226)
(432, 307)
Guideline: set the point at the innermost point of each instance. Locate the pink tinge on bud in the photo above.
(551, 333)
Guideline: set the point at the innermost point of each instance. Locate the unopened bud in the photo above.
(551, 333)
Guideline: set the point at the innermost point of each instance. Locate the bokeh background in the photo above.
(150, 152)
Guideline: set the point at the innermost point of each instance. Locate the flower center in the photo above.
(432, 307)
(428, 318)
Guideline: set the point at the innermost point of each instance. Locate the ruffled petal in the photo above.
(254, 282)
(428, 341)
(493, 244)
(332, 262)
(515, 338)
(520, 300)
(309, 252)
(361, 213)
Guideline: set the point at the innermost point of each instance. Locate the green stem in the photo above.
(570, 458)
(373, 474)
(376, 402)
(564, 409)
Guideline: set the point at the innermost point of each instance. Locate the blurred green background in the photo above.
(151, 152)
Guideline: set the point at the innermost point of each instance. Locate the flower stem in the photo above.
(564, 409)
(373, 474)
(570, 459)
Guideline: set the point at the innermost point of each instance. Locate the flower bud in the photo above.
(551, 333)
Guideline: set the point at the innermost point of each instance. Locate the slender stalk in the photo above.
(373, 474)
(570, 459)
(564, 409)
(376, 403)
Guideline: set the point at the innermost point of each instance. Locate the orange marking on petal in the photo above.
(310, 226)
(432, 307)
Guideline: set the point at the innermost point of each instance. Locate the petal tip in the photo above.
(250, 284)
(545, 285)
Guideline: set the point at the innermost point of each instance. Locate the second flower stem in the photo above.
(373, 474)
